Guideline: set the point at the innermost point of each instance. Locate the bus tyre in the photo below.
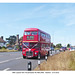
(24, 57)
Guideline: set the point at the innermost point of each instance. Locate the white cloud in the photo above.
(33, 13)
(66, 15)
(36, 9)
(70, 19)
(57, 12)
(70, 24)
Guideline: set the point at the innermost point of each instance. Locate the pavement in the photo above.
(13, 61)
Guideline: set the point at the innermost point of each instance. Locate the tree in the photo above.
(58, 45)
(11, 40)
(52, 45)
(68, 45)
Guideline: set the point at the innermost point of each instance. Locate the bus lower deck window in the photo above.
(30, 37)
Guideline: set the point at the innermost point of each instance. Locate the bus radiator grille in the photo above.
(29, 53)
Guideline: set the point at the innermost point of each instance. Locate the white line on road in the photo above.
(18, 58)
(6, 69)
(4, 61)
(0, 55)
(10, 60)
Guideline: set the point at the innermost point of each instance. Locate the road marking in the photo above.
(18, 58)
(4, 61)
(6, 69)
(10, 60)
(1, 55)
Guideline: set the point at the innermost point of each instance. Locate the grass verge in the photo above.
(57, 48)
(65, 61)
(6, 50)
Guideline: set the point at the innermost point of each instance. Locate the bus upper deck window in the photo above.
(27, 33)
(34, 33)
(38, 33)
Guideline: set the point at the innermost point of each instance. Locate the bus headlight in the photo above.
(35, 53)
(23, 52)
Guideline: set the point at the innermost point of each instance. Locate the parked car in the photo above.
(10, 48)
(72, 48)
(52, 48)
(63, 48)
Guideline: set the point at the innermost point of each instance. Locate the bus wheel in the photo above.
(24, 57)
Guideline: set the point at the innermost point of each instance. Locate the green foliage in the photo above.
(58, 45)
(11, 40)
(17, 46)
(3, 47)
(52, 45)
(0, 47)
(68, 45)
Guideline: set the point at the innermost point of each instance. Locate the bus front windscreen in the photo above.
(34, 45)
(25, 44)
(31, 45)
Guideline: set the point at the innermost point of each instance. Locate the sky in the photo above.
(57, 19)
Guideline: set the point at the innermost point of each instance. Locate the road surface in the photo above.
(13, 61)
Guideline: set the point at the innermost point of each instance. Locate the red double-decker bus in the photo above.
(35, 42)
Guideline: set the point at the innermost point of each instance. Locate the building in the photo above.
(17, 40)
(18, 43)
(2, 42)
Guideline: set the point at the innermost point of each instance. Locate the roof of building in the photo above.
(2, 41)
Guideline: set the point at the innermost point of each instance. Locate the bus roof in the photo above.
(34, 29)
(28, 29)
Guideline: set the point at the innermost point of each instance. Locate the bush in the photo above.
(0, 47)
(3, 47)
(17, 46)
